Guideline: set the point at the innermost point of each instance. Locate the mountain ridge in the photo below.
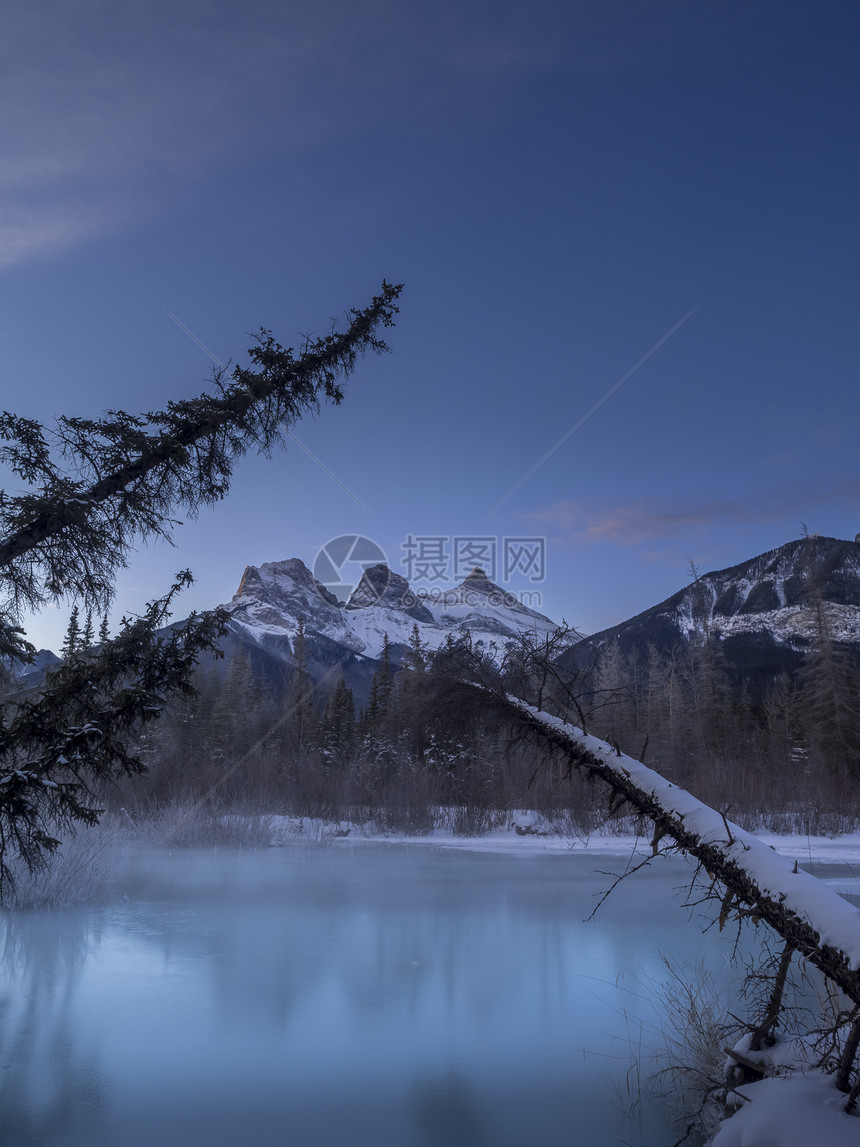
(761, 610)
(271, 600)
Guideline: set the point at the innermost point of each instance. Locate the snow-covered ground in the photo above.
(528, 832)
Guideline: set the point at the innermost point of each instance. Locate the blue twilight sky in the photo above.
(557, 184)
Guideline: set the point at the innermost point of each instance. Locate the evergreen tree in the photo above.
(303, 722)
(781, 722)
(714, 711)
(381, 686)
(236, 715)
(617, 719)
(416, 658)
(92, 487)
(88, 632)
(72, 640)
(372, 713)
(338, 725)
(386, 676)
(410, 688)
(301, 686)
(831, 690)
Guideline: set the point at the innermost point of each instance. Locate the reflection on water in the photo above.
(50, 1083)
(388, 996)
(447, 1111)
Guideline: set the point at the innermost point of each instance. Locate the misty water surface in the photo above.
(381, 995)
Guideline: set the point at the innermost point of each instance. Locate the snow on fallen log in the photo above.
(820, 924)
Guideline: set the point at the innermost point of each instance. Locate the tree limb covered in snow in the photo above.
(818, 923)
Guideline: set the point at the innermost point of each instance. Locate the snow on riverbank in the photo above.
(798, 1110)
(526, 833)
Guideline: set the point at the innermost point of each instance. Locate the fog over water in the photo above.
(383, 994)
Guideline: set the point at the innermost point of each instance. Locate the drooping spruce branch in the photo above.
(124, 475)
(61, 744)
(92, 487)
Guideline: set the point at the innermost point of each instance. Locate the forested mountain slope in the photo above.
(764, 614)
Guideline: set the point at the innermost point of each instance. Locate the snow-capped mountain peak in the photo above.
(765, 612)
(380, 586)
(274, 597)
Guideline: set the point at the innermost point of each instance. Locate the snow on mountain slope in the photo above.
(763, 610)
(773, 593)
(272, 598)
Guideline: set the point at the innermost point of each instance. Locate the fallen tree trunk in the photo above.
(818, 923)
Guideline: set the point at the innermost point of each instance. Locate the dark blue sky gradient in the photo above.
(556, 184)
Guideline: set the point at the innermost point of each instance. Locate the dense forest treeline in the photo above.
(787, 759)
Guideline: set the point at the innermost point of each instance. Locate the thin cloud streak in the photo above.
(124, 106)
(648, 519)
(109, 108)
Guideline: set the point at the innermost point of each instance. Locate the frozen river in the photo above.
(382, 995)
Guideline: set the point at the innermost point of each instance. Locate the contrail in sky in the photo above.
(594, 408)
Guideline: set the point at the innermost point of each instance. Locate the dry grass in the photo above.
(183, 824)
(81, 869)
(678, 1054)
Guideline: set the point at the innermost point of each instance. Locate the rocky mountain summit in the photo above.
(763, 611)
(273, 598)
(380, 586)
